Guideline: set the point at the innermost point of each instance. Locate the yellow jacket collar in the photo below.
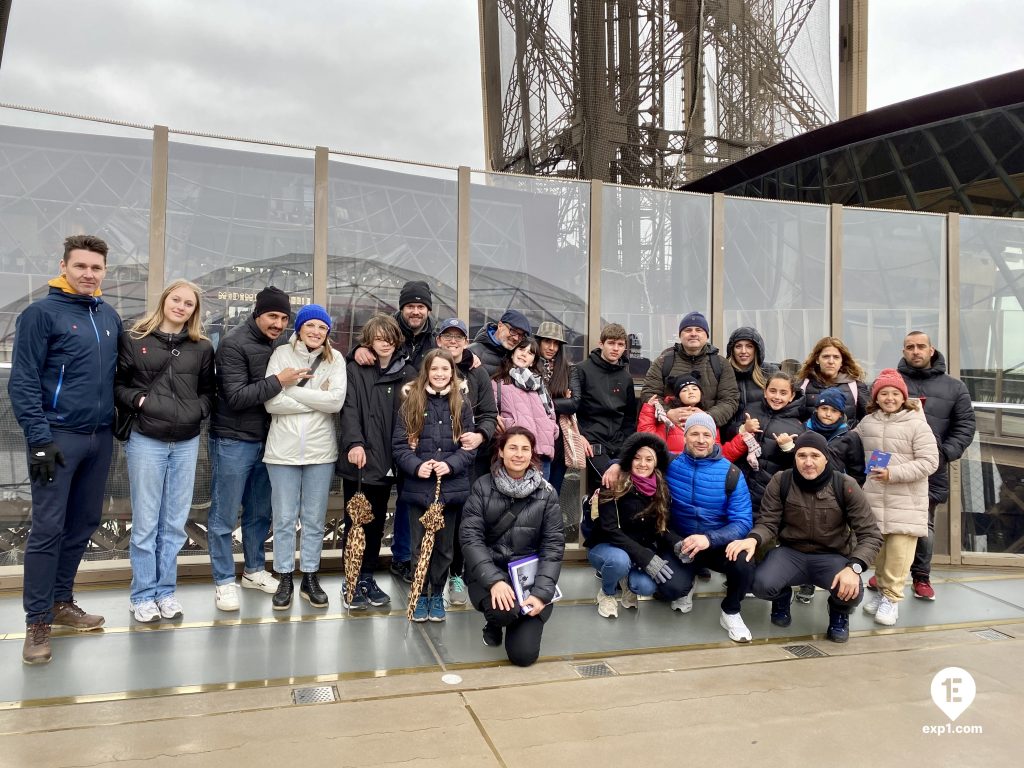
(62, 283)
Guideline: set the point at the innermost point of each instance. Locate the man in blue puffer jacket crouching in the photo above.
(710, 508)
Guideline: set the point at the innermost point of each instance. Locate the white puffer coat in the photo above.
(302, 426)
(901, 504)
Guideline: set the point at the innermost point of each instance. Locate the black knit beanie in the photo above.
(416, 292)
(272, 299)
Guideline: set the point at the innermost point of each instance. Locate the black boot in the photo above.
(282, 599)
(310, 589)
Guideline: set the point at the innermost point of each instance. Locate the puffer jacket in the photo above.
(368, 418)
(620, 525)
(178, 398)
(772, 459)
(525, 409)
(816, 524)
(302, 427)
(856, 407)
(648, 422)
(700, 503)
(900, 505)
(538, 530)
(436, 442)
(949, 412)
(62, 373)
(243, 385)
(720, 395)
(491, 353)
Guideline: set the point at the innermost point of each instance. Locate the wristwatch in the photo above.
(856, 567)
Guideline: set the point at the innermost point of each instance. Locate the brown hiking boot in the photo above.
(70, 615)
(37, 644)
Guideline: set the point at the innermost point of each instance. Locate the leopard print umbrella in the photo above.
(361, 513)
(432, 521)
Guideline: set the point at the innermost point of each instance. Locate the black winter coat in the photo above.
(619, 526)
(178, 398)
(772, 459)
(750, 393)
(243, 385)
(436, 442)
(537, 530)
(855, 411)
(567, 406)
(948, 411)
(846, 455)
(607, 410)
(481, 396)
(491, 355)
(368, 418)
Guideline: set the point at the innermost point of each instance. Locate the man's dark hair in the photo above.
(85, 243)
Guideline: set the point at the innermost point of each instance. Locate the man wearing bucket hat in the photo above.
(563, 384)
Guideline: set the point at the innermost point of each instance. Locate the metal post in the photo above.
(157, 219)
(462, 274)
(320, 193)
(835, 325)
(717, 308)
(594, 265)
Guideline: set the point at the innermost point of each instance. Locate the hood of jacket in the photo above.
(596, 359)
(746, 333)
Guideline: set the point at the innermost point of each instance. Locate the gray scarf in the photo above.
(529, 381)
(517, 489)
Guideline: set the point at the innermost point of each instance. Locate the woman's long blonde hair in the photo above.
(414, 407)
(194, 326)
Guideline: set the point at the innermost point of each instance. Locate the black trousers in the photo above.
(522, 633)
(444, 544)
(378, 496)
(784, 568)
(739, 575)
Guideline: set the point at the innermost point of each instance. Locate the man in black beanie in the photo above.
(415, 303)
(827, 536)
(238, 430)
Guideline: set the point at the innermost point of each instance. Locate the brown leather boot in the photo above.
(37, 644)
(70, 615)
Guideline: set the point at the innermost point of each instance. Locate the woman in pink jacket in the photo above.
(523, 400)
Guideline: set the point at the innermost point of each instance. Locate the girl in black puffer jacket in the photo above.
(513, 513)
(165, 376)
(425, 445)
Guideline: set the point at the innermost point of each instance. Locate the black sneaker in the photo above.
(359, 601)
(838, 627)
(805, 594)
(373, 593)
(780, 611)
(492, 635)
(402, 569)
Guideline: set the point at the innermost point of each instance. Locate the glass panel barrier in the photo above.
(992, 481)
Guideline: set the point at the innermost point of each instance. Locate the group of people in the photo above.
(470, 431)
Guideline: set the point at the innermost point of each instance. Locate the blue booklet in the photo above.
(524, 573)
(879, 459)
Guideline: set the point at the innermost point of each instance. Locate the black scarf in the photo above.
(815, 485)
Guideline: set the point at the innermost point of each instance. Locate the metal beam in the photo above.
(462, 264)
(320, 193)
(157, 219)
(717, 308)
(853, 58)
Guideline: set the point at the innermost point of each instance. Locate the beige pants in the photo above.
(893, 564)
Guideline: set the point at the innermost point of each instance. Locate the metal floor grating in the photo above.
(324, 694)
(804, 651)
(600, 669)
(991, 634)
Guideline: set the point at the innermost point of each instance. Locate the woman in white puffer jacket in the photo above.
(898, 492)
(301, 450)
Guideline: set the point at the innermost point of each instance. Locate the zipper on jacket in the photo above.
(99, 352)
(60, 383)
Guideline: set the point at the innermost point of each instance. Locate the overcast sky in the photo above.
(390, 77)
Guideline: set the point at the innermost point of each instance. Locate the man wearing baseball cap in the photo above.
(238, 430)
(495, 341)
(710, 509)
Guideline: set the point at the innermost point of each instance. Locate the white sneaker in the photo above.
(888, 612)
(684, 604)
(871, 604)
(146, 612)
(226, 597)
(607, 606)
(733, 624)
(169, 607)
(261, 580)
(628, 597)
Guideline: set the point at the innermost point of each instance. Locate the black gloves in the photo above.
(658, 570)
(43, 461)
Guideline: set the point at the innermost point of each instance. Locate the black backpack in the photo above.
(666, 369)
(838, 487)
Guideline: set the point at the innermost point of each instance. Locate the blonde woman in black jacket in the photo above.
(165, 376)
(513, 513)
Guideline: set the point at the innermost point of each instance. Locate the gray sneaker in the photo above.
(169, 607)
(457, 591)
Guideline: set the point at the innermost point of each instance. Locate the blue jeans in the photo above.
(299, 494)
(614, 564)
(65, 515)
(161, 476)
(239, 479)
(545, 467)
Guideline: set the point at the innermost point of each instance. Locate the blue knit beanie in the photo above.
(312, 312)
(834, 397)
(695, 319)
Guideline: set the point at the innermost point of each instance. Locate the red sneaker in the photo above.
(873, 583)
(923, 589)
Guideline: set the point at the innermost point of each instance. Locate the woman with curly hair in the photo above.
(831, 364)
(631, 545)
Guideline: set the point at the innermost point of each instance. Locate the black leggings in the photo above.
(378, 496)
(522, 633)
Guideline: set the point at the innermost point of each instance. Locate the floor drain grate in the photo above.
(991, 634)
(594, 670)
(324, 694)
(803, 651)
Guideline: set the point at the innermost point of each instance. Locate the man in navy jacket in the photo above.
(62, 393)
